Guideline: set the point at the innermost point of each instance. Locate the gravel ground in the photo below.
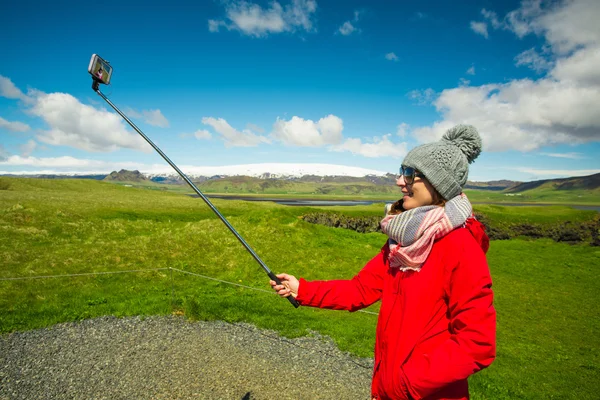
(171, 358)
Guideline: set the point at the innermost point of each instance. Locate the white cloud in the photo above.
(391, 56)
(28, 148)
(52, 162)
(347, 28)
(525, 114)
(471, 71)
(10, 91)
(254, 128)
(70, 165)
(402, 129)
(572, 155)
(233, 137)
(582, 67)
(14, 126)
(300, 132)
(533, 60)
(422, 97)
(521, 115)
(214, 25)
(132, 113)
(155, 118)
(151, 117)
(74, 124)
(299, 14)
(519, 20)
(566, 25)
(202, 134)
(492, 18)
(480, 28)
(253, 20)
(380, 147)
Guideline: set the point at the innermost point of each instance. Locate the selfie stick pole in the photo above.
(96, 88)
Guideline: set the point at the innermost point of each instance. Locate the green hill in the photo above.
(590, 182)
(251, 185)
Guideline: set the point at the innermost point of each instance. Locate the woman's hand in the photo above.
(289, 285)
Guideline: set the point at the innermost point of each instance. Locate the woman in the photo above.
(437, 323)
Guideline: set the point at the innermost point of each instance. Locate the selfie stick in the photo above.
(96, 88)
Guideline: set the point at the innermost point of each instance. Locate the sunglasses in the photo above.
(409, 174)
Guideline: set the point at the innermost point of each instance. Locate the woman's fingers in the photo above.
(277, 286)
(283, 277)
(282, 290)
(287, 287)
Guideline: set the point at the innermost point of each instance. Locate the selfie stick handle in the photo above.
(292, 300)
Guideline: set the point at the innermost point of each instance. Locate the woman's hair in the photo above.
(396, 208)
(438, 200)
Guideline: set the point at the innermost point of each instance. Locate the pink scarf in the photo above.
(413, 232)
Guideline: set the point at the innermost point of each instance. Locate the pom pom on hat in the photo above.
(466, 138)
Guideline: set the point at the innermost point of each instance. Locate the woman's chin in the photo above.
(408, 202)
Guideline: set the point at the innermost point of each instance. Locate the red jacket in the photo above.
(436, 327)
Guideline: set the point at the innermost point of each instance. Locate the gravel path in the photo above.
(171, 358)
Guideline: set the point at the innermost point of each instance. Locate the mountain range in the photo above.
(264, 175)
(386, 180)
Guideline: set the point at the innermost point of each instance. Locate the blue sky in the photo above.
(349, 83)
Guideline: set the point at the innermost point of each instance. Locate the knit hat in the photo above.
(445, 163)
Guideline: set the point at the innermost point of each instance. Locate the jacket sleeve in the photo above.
(472, 344)
(359, 292)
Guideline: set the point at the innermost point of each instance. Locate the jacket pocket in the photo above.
(399, 388)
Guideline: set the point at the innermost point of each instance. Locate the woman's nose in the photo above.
(400, 181)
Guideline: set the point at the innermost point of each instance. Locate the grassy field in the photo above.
(543, 195)
(546, 292)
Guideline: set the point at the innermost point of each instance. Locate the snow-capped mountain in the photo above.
(267, 170)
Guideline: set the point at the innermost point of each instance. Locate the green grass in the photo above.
(548, 321)
(541, 195)
(546, 292)
(534, 215)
